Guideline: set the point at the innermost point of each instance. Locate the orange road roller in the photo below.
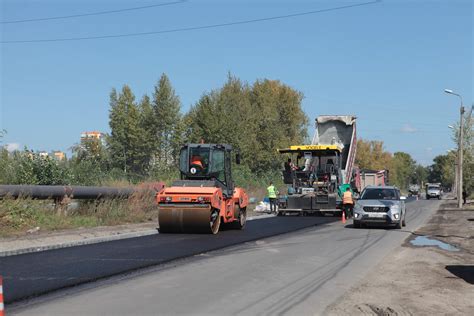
(205, 197)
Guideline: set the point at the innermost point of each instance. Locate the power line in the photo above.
(93, 13)
(191, 28)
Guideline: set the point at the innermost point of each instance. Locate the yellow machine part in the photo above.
(310, 148)
(188, 218)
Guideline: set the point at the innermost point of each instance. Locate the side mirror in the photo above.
(237, 158)
(403, 198)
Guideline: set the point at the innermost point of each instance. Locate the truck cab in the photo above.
(433, 191)
(207, 163)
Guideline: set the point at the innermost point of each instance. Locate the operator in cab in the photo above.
(197, 166)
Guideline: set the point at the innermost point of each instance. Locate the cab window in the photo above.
(217, 165)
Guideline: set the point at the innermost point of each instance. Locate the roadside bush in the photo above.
(17, 216)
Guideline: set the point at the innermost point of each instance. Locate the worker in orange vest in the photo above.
(347, 202)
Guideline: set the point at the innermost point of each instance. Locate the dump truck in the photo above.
(373, 178)
(318, 173)
(205, 197)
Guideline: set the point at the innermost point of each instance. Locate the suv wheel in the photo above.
(399, 225)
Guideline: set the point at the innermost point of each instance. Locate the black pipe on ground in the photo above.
(60, 191)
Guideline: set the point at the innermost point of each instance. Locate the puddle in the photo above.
(425, 241)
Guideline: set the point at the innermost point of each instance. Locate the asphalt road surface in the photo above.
(299, 273)
(41, 272)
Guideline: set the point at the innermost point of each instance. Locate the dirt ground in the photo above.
(421, 280)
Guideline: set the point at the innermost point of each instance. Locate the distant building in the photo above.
(94, 135)
(43, 154)
(91, 135)
(59, 155)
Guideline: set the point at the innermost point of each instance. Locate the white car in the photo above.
(382, 205)
(433, 191)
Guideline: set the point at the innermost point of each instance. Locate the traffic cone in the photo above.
(343, 219)
(1, 298)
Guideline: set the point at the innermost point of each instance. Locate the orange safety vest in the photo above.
(347, 198)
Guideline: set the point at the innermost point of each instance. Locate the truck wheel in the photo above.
(280, 213)
(399, 225)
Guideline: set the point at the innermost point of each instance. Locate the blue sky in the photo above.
(388, 63)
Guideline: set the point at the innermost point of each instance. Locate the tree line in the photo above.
(147, 133)
(404, 170)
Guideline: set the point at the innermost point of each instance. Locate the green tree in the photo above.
(442, 170)
(225, 116)
(256, 119)
(31, 168)
(372, 155)
(125, 142)
(2, 134)
(147, 123)
(403, 169)
(167, 126)
(90, 163)
(281, 121)
(25, 169)
(420, 175)
(468, 152)
(4, 159)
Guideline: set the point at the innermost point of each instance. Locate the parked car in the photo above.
(382, 205)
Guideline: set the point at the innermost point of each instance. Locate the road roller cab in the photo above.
(205, 197)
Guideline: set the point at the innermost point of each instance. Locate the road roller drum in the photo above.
(188, 219)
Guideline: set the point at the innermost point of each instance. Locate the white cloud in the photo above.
(407, 128)
(12, 146)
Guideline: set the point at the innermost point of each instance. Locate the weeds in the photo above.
(17, 216)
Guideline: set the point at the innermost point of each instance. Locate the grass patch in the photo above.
(17, 216)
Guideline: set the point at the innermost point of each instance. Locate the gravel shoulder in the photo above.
(421, 280)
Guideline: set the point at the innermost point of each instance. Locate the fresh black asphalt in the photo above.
(37, 273)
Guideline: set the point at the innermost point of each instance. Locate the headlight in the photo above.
(356, 215)
(396, 216)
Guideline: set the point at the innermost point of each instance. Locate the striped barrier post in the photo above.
(2, 307)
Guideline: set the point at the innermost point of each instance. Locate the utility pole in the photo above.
(455, 184)
(460, 148)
